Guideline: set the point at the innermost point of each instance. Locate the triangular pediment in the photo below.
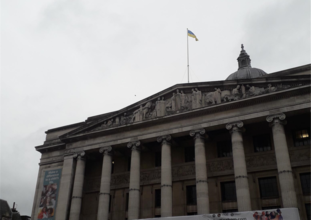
(183, 98)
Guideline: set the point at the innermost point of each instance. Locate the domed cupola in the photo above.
(245, 70)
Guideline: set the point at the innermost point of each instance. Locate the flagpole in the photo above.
(187, 55)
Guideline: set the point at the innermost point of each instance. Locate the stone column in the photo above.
(104, 193)
(134, 190)
(65, 188)
(240, 172)
(200, 171)
(288, 192)
(37, 196)
(166, 176)
(76, 199)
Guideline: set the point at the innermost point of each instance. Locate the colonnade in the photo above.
(240, 172)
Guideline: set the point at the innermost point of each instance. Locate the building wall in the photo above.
(261, 164)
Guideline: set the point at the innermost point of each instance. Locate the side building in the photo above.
(240, 144)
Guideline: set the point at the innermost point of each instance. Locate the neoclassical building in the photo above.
(238, 144)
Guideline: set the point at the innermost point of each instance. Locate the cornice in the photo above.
(51, 147)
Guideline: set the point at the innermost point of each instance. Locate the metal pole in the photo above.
(187, 55)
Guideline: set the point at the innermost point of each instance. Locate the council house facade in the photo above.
(238, 144)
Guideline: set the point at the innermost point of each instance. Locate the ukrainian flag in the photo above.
(190, 34)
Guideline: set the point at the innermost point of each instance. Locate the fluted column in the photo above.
(288, 192)
(76, 199)
(200, 171)
(166, 176)
(240, 171)
(65, 187)
(134, 190)
(104, 193)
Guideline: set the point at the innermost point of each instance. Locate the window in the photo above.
(262, 143)
(109, 203)
(112, 166)
(229, 210)
(191, 195)
(192, 213)
(129, 164)
(157, 198)
(157, 216)
(302, 137)
(127, 202)
(308, 211)
(228, 192)
(189, 154)
(157, 159)
(270, 207)
(268, 187)
(305, 183)
(224, 149)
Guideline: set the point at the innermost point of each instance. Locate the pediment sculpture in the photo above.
(183, 102)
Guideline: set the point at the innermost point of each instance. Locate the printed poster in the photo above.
(49, 194)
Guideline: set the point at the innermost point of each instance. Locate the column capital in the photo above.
(276, 118)
(200, 133)
(70, 156)
(106, 150)
(165, 139)
(134, 145)
(80, 155)
(235, 126)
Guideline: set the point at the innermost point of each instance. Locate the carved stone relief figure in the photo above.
(173, 102)
(193, 99)
(243, 91)
(123, 119)
(196, 98)
(226, 95)
(183, 100)
(271, 88)
(213, 97)
(146, 109)
(255, 90)
(178, 100)
(110, 122)
(199, 98)
(235, 91)
(138, 114)
(160, 107)
(117, 121)
(217, 95)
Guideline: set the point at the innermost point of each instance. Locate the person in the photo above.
(256, 216)
(50, 212)
(263, 216)
(43, 213)
(50, 202)
(280, 217)
(272, 215)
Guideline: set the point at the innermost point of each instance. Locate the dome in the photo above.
(246, 73)
(245, 70)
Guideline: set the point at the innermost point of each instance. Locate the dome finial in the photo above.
(242, 46)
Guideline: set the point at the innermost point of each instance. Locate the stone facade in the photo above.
(114, 164)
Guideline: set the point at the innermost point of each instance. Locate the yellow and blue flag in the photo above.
(190, 34)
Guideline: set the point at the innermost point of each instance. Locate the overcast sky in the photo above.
(63, 61)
